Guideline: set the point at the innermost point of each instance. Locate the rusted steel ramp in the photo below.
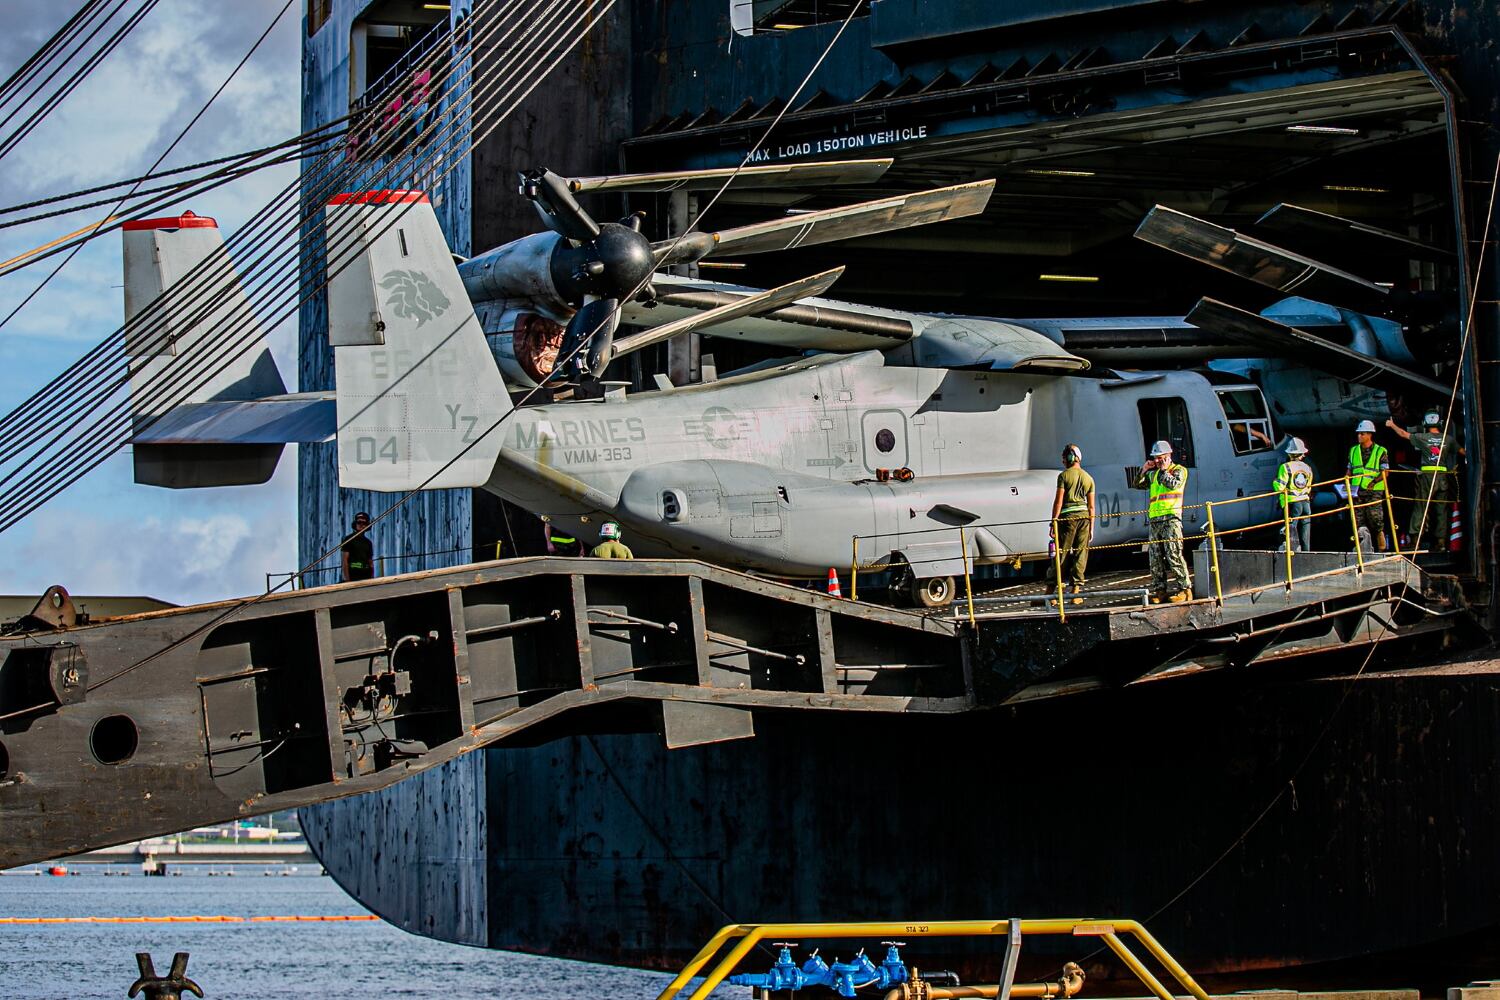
(152, 723)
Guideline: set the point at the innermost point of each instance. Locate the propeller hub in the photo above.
(613, 265)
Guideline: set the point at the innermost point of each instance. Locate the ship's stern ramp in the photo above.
(152, 723)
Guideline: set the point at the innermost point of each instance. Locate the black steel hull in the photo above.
(1291, 832)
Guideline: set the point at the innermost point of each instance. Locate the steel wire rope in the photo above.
(156, 311)
(330, 180)
(244, 603)
(55, 470)
(50, 104)
(396, 165)
(327, 127)
(37, 70)
(164, 154)
(45, 51)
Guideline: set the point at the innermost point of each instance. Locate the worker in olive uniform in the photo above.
(610, 546)
(1167, 482)
(357, 551)
(560, 543)
(1435, 450)
(1368, 467)
(1073, 519)
(1293, 483)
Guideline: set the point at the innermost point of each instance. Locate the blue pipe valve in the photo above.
(785, 975)
(861, 973)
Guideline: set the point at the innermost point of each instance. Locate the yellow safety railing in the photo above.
(1112, 932)
(1214, 534)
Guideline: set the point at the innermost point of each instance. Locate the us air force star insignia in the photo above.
(414, 295)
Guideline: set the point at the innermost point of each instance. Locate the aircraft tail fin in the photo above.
(158, 254)
(417, 385)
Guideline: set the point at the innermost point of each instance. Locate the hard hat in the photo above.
(1161, 448)
(1431, 419)
(1072, 452)
(1365, 427)
(1296, 447)
(609, 529)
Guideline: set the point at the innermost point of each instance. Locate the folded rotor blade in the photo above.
(1266, 337)
(595, 321)
(749, 305)
(1260, 262)
(771, 175)
(828, 225)
(1319, 231)
(553, 201)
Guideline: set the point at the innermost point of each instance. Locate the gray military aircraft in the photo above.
(776, 468)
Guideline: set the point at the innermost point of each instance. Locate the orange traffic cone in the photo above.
(834, 590)
(1455, 531)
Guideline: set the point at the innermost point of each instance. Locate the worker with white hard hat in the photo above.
(1293, 483)
(1368, 467)
(1167, 482)
(1435, 452)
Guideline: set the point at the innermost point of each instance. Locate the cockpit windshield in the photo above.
(1249, 423)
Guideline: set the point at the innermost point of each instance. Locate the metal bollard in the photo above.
(168, 987)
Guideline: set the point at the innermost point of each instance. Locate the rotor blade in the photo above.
(810, 228)
(749, 305)
(1311, 229)
(771, 175)
(1268, 337)
(1260, 262)
(597, 320)
(555, 204)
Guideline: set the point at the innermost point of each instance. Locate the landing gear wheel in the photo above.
(933, 592)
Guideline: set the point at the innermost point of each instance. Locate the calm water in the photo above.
(304, 960)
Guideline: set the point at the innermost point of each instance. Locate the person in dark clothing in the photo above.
(561, 542)
(358, 552)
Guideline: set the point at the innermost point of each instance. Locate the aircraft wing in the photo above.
(1265, 335)
(288, 419)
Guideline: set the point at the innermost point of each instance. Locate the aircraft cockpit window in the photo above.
(1249, 423)
(1166, 419)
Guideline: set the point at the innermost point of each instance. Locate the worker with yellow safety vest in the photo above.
(1293, 483)
(1367, 470)
(1435, 450)
(1167, 482)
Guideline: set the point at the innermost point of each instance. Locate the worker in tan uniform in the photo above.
(1073, 520)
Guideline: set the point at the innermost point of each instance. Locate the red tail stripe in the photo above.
(390, 197)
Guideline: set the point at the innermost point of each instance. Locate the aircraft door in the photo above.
(1165, 418)
(885, 441)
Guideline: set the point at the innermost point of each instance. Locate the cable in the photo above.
(164, 154)
(99, 423)
(44, 54)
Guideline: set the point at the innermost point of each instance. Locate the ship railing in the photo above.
(1111, 932)
(392, 564)
(958, 548)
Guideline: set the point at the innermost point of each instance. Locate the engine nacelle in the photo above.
(521, 269)
(524, 342)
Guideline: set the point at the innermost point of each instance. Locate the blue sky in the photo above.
(106, 535)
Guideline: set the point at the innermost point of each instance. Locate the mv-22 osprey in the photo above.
(772, 469)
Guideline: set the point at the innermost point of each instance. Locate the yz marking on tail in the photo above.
(455, 415)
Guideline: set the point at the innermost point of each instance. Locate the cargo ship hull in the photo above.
(1283, 831)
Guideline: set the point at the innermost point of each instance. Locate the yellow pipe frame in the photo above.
(963, 547)
(1062, 615)
(752, 934)
(854, 571)
(1286, 528)
(1390, 523)
(1213, 554)
(1359, 556)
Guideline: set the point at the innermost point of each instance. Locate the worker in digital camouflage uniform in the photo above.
(1073, 519)
(1293, 484)
(610, 546)
(1368, 469)
(1435, 451)
(1167, 482)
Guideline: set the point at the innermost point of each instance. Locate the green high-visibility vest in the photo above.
(1367, 477)
(1166, 501)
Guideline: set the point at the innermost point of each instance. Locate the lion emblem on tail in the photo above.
(413, 295)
